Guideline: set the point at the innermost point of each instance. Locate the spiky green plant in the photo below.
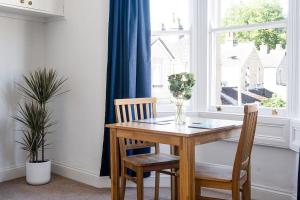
(34, 120)
(40, 87)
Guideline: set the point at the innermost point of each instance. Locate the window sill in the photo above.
(276, 119)
(263, 111)
(233, 116)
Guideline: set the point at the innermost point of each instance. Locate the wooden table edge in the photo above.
(170, 133)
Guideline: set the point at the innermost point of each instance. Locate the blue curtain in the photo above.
(129, 66)
(298, 185)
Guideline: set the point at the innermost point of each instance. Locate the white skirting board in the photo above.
(259, 192)
(79, 175)
(94, 180)
(12, 172)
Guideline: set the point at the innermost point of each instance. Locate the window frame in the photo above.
(201, 14)
(213, 30)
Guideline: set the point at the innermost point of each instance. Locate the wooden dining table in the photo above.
(184, 137)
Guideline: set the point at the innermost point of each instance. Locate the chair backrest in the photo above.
(128, 110)
(243, 154)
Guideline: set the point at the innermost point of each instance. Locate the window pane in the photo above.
(251, 66)
(169, 15)
(242, 12)
(170, 54)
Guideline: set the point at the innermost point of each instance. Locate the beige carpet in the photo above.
(64, 189)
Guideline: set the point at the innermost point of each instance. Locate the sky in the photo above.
(162, 11)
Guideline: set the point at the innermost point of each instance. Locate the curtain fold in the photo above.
(129, 61)
(298, 184)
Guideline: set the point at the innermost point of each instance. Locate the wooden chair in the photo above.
(135, 109)
(236, 178)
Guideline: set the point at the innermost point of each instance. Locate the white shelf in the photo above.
(44, 9)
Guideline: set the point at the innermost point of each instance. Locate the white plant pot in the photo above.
(38, 173)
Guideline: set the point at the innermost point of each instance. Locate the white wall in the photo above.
(77, 48)
(21, 49)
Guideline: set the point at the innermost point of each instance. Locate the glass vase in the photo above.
(180, 112)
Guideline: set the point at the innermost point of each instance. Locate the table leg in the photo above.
(187, 169)
(114, 165)
(174, 180)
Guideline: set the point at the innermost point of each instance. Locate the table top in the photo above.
(193, 126)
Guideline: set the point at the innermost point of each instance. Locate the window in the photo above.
(248, 53)
(170, 45)
(237, 49)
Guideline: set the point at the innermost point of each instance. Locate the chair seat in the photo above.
(147, 160)
(218, 173)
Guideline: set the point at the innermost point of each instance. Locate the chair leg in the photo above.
(140, 183)
(123, 182)
(157, 180)
(197, 190)
(246, 191)
(177, 188)
(235, 194)
(174, 186)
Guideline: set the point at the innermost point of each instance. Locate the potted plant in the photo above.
(275, 102)
(40, 87)
(181, 89)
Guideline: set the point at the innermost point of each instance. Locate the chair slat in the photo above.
(118, 114)
(154, 110)
(124, 113)
(141, 111)
(129, 112)
(136, 116)
(148, 110)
